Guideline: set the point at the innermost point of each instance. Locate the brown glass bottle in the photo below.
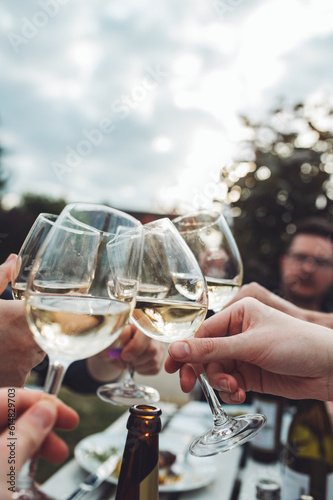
(138, 478)
(265, 446)
(308, 467)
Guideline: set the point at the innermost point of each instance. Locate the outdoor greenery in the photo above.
(15, 223)
(282, 175)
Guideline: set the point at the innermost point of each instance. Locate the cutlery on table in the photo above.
(95, 479)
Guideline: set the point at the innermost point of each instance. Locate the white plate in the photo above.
(195, 472)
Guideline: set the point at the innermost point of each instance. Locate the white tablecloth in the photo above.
(191, 419)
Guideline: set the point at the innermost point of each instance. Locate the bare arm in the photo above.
(265, 351)
(271, 299)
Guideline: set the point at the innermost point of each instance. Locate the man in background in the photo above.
(306, 268)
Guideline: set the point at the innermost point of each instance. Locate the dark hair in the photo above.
(313, 226)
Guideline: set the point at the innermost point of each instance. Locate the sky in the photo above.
(137, 104)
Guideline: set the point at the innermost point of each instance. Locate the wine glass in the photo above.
(208, 235)
(113, 223)
(67, 305)
(28, 251)
(171, 302)
(171, 305)
(124, 253)
(25, 259)
(210, 239)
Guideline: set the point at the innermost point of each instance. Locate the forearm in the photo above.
(320, 318)
(273, 300)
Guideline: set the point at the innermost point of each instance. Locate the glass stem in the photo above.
(26, 476)
(54, 378)
(219, 415)
(128, 379)
(55, 375)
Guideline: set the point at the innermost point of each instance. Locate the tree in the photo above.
(35, 204)
(3, 176)
(16, 223)
(282, 174)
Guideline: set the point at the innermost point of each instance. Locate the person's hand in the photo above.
(271, 299)
(145, 354)
(35, 416)
(19, 352)
(265, 351)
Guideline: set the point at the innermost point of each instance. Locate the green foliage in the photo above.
(36, 204)
(16, 223)
(3, 176)
(281, 176)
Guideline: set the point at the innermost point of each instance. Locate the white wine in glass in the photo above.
(171, 302)
(210, 239)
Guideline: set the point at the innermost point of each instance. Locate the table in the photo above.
(193, 417)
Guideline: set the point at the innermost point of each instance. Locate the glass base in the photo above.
(128, 394)
(234, 432)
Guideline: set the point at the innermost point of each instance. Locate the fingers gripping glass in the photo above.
(210, 239)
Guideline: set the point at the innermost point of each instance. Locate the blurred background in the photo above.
(161, 110)
(164, 108)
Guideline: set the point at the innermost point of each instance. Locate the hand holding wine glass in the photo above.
(68, 308)
(171, 305)
(35, 416)
(139, 354)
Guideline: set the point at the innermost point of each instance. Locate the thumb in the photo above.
(205, 350)
(6, 271)
(23, 439)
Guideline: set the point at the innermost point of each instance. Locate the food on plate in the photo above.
(101, 456)
(166, 461)
(166, 474)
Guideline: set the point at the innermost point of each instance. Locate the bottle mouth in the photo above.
(268, 490)
(145, 410)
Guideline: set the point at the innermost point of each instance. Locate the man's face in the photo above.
(307, 268)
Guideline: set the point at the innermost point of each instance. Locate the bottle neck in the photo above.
(138, 479)
(304, 405)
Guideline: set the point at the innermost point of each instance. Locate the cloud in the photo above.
(92, 85)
